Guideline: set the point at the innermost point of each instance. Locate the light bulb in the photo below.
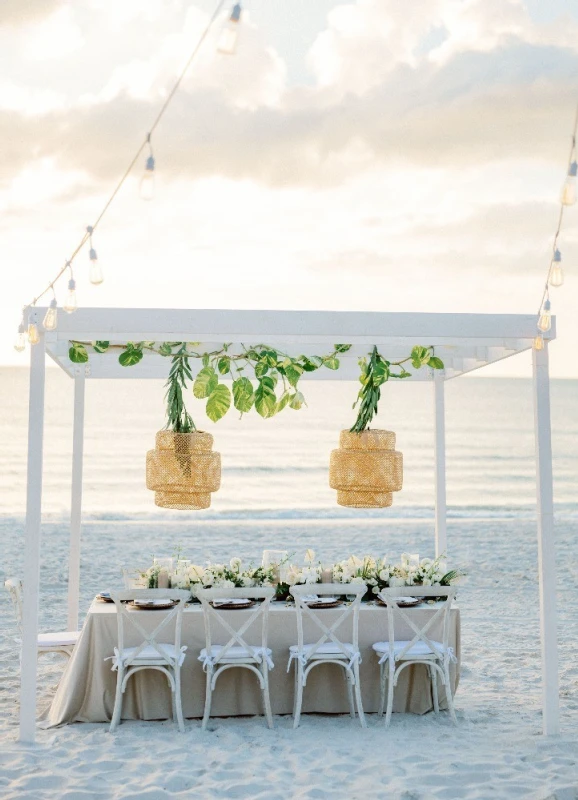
(539, 343)
(51, 317)
(227, 43)
(33, 335)
(147, 184)
(569, 188)
(556, 273)
(70, 305)
(545, 319)
(20, 343)
(95, 274)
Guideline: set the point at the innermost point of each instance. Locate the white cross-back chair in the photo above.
(61, 642)
(236, 652)
(329, 648)
(165, 656)
(396, 654)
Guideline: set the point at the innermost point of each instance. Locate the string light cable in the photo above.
(555, 274)
(95, 273)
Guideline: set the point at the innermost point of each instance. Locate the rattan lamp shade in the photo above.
(366, 469)
(182, 470)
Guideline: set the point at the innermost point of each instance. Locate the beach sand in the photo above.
(497, 750)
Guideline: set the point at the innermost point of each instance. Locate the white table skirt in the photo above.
(86, 690)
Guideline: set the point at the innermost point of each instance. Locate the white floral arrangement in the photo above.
(229, 576)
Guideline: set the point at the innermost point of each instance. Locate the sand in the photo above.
(497, 750)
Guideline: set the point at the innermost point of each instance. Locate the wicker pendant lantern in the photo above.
(366, 469)
(183, 470)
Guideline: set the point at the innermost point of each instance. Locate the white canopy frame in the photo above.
(465, 342)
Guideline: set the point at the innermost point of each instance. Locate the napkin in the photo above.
(230, 601)
(310, 598)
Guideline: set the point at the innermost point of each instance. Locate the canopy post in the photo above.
(546, 550)
(440, 463)
(32, 535)
(76, 500)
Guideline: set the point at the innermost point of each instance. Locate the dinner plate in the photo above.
(233, 603)
(404, 602)
(325, 602)
(152, 605)
(104, 597)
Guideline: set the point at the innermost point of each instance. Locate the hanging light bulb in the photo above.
(95, 273)
(147, 184)
(227, 43)
(556, 273)
(51, 317)
(545, 318)
(70, 305)
(20, 343)
(569, 188)
(539, 342)
(33, 333)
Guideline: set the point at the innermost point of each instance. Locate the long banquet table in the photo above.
(86, 690)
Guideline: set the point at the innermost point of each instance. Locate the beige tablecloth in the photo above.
(86, 690)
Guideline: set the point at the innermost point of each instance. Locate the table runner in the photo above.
(86, 690)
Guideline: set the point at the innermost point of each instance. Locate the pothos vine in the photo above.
(274, 380)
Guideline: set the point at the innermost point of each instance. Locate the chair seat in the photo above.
(326, 650)
(418, 650)
(58, 639)
(148, 655)
(234, 653)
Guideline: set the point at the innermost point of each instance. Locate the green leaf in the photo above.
(219, 402)
(224, 365)
(166, 349)
(268, 384)
(308, 364)
(243, 395)
(283, 400)
(205, 383)
(380, 373)
(297, 401)
(293, 373)
(132, 355)
(435, 362)
(341, 348)
(270, 356)
(261, 368)
(265, 401)
(331, 362)
(100, 347)
(77, 353)
(206, 360)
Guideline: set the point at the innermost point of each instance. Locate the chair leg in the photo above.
(266, 697)
(358, 696)
(434, 688)
(299, 697)
(208, 696)
(449, 695)
(390, 684)
(347, 676)
(177, 699)
(382, 683)
(117, 701)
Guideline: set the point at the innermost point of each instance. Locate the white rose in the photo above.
(358, 581)
(235, 564)
(371, 582)
(384, 575)
(376, 590)
(426, 582)
(247, 581)
(226, 585)
(396, 582)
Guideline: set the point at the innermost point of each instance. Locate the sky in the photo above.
(378, 155)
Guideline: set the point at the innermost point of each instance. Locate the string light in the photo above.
(147, 184)
(95, 270)
(568, 197)
(20, 343)
(95, 273)
(50, 320)
(33, 333)
(545, 318)
(227, 43)
(557, 273)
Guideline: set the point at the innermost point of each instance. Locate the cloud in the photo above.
(22, 12)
